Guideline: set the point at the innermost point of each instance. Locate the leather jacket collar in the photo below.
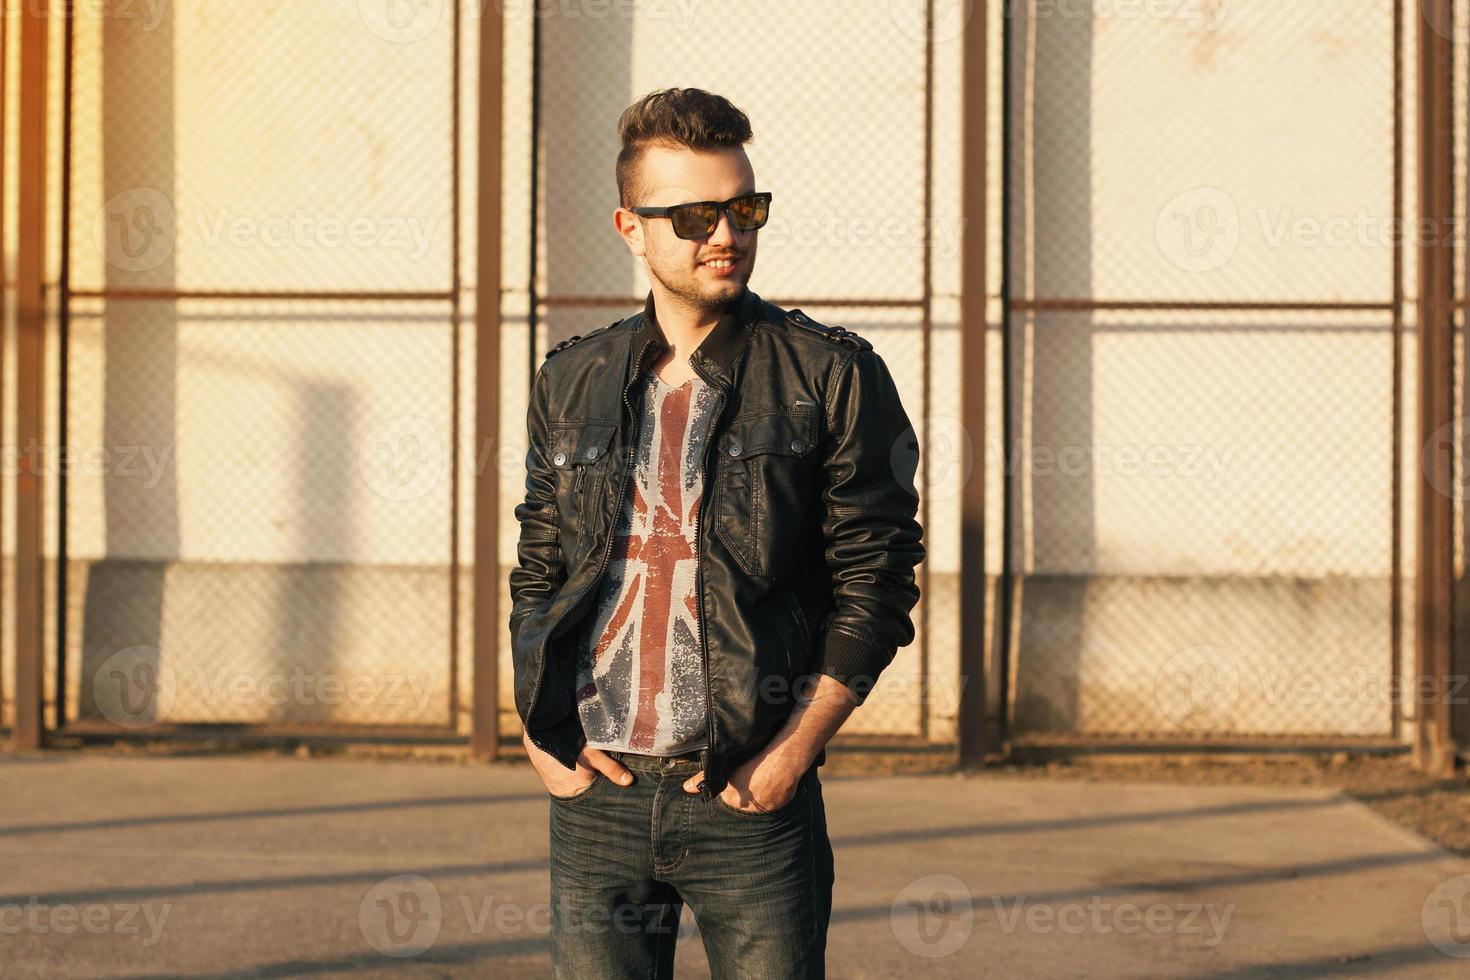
(721, 348)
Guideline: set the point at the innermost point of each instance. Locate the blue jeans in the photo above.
(625, 860)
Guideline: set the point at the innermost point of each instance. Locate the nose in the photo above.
(723, 234)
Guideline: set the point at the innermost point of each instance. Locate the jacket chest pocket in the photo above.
(579, 457)
(766, 471)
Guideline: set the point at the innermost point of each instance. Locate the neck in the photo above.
(684, 325)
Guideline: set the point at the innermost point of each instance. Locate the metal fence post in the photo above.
(485, 735)
(974, 731)
(30, 302)
(1434, 748)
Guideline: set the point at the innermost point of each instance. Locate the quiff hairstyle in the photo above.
(674, 117)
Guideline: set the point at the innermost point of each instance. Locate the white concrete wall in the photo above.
(1200, 153)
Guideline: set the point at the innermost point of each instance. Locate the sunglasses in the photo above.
(699, 219)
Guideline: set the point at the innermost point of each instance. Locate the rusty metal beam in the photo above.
(169, 295)
(926, 361)
(1396, 390)
(30, 308)
(5, 265)
(1082, 305)
(785, 301)
(455, 359)
(973, 728)
(485, 734)
(1434, 749)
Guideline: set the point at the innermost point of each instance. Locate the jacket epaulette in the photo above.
(578, 338)
(840, 335)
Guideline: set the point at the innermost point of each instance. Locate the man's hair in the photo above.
(674, 117)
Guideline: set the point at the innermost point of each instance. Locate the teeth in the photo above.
(720, 264)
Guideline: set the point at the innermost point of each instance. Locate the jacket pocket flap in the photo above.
(581, 442)
(784, 435)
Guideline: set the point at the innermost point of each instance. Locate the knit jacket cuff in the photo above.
(853, 661)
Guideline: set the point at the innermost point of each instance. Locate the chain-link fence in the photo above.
(261, 386)
(260, 355)
(1202, 230)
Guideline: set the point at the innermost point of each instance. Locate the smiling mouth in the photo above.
(720, 263)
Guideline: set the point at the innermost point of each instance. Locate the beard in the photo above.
(699, 294)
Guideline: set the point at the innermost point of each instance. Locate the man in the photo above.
(705, 481)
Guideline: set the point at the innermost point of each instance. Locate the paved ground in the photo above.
(246, 866)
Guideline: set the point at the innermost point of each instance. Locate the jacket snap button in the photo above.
(734, 449)
(560, 459)
(797, 446)
(592, 452)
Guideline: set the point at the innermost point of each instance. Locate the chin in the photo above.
(728, 289)
(698, 292)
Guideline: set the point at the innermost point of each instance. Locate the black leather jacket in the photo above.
(806, 532)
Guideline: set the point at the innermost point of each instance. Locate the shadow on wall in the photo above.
(1049, 197)
(586, 82)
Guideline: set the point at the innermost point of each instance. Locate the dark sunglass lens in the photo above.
(749, 213)
(694, 220)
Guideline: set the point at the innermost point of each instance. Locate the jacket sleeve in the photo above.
(872, 539)
(539, 571)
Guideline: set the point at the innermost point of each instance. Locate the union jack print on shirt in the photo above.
(640, 674)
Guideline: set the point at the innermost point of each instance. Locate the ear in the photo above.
(631, 230)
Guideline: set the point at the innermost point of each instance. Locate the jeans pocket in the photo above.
(581, 794)
(786, 808)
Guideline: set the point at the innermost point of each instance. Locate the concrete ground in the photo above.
(259, 866)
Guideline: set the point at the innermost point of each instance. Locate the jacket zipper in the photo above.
(602, 566)
(706, 794)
